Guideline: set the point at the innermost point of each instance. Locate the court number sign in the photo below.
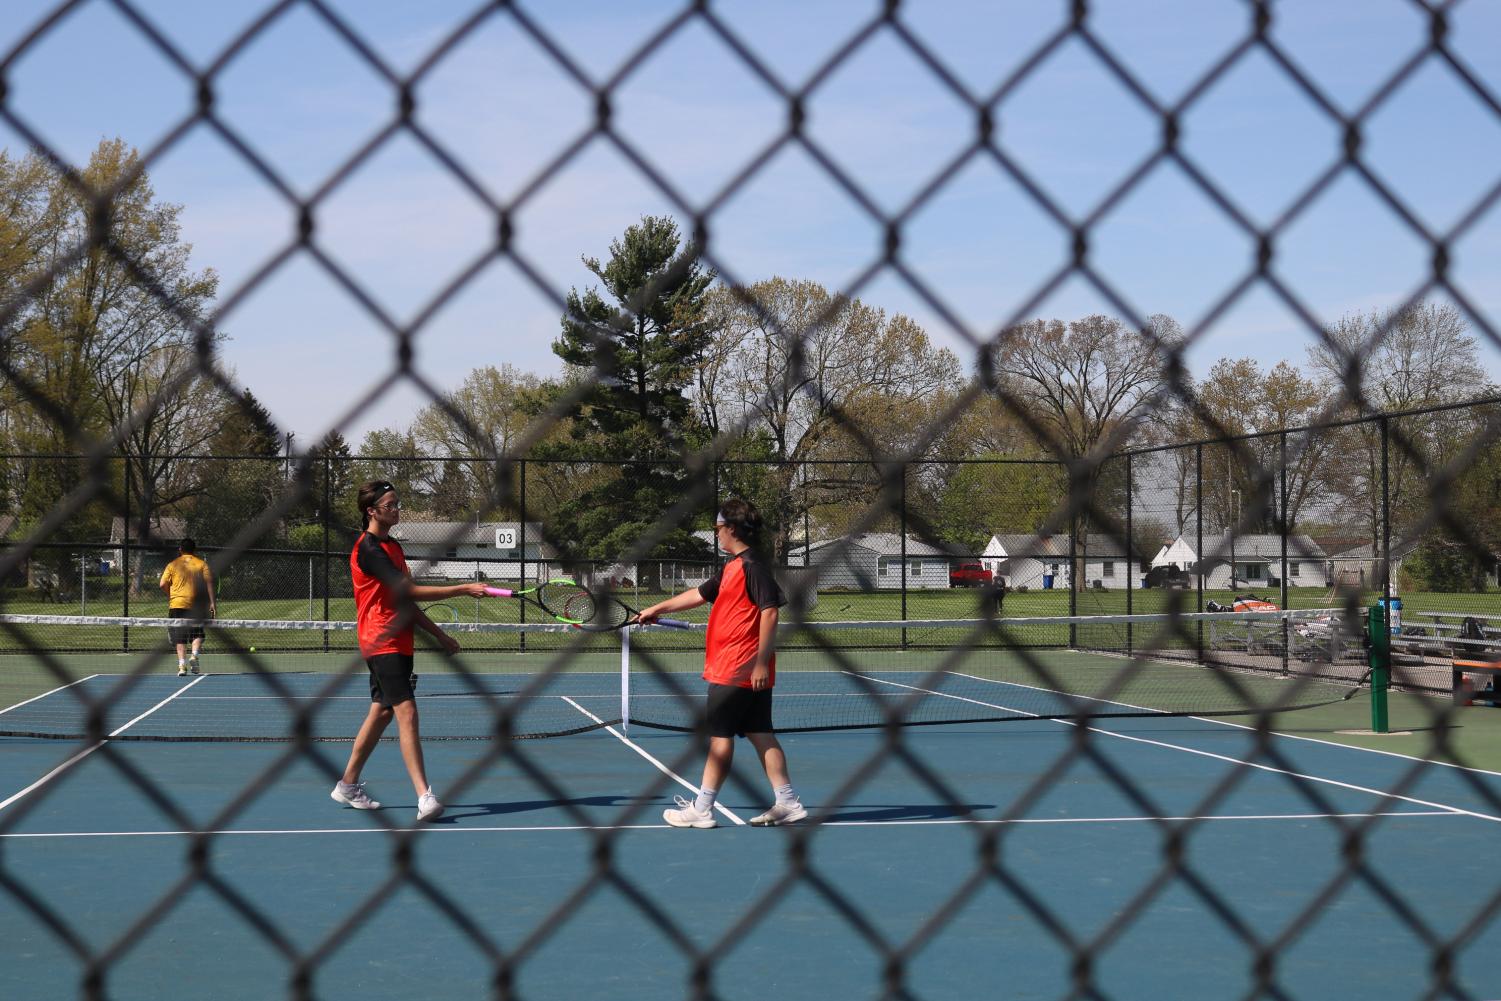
(505, 538)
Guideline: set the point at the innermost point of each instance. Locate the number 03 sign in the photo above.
(505, 538)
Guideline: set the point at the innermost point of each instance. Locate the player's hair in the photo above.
(744, 520)
(187, 545)
(369, 493)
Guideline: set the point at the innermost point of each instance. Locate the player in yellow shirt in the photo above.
(188, 584)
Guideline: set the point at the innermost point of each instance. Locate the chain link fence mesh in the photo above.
(884, 531)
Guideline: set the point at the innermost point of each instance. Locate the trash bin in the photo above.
(1047, 582)
(1394, 605)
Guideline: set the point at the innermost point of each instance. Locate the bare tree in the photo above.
(800, 368)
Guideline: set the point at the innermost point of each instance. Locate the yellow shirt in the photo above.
(191, 581)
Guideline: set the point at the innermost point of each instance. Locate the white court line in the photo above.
(660, 767)
(490, 829)
(75, 759)
(54, 691)
(1206, 754)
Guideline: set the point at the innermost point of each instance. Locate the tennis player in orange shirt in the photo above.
(740, 666)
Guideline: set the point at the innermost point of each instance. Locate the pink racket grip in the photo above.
(499, 592)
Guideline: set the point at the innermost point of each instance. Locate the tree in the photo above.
(246, 474)
(494, 408)
(1408, 359)
(827, 386)
(637, 355)
(94, 327)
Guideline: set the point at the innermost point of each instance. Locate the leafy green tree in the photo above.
(246, 475)
(993, 497)
(93, 328)
(637, 352)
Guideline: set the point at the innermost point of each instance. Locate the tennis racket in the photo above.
(441, 613)
(570, 603)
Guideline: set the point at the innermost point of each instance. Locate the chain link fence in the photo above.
(1328, 516)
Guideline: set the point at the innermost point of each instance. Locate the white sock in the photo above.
(705, 801)
(182, 663)
(785, 795)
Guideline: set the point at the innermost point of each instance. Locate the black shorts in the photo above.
(392, 681)
(185, 634)
(734, 711)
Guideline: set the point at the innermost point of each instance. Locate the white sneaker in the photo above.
(688, 815)
(182, 669)
(193, 663)
(428, 807)
(781, 813)
(353, 795)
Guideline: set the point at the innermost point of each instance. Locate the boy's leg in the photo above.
(411, 743)
(788, 809)
(365, 741)
(773, 760)
(348, 789)
(700, 812)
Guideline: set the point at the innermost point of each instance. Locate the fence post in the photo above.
(1199, 541)
(902, 525)
(328, 470)
(1386, 523)
(125, 574)
(1130, 552)
(1285, 528)
(521, 541)
(1073, 570)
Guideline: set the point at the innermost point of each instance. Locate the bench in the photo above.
(1463, 667)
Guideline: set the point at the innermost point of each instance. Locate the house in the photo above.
(1357, 565)
(1176, 553)
(1257, 560)
(470, 550)
(872, 561)
(1107, 564)
(1029, 561)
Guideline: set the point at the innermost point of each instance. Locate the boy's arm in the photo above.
(761, 672)
(690, 598)
(447, 642)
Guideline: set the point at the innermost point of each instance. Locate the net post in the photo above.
(625, 681)
(1379, 634)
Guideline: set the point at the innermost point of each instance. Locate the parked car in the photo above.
(968, 575)
(1168, 576)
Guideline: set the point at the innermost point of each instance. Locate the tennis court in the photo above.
(1175, 851)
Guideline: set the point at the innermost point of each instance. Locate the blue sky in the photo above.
(503, 107)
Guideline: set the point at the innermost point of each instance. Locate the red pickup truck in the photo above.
(968, 575)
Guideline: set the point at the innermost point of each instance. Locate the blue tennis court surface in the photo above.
(978, 858)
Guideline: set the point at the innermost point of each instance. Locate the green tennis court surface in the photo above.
(967, 850)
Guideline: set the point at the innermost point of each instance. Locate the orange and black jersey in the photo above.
(379, 570)
(740, 590)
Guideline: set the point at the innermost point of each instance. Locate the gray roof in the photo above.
(880, 543)
(164, 527)
(1371, 551)
(1261, 547)
(1035, 546)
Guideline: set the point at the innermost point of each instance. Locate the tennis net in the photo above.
(78, 677)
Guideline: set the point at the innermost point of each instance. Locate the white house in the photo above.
(1176, 553)
(1257, 560)
(468, 550)
(872, 561)
(1029, 561)
(1107, 564)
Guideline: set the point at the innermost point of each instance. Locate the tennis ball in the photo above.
(252, 649)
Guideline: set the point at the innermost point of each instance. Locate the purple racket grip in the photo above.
(499, 592)
(673, 623)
